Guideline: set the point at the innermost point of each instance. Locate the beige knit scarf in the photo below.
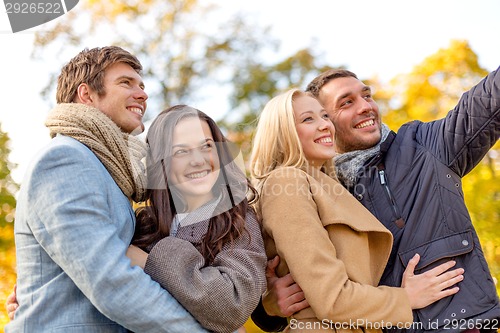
(120, 153)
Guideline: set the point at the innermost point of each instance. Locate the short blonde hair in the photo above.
(276, 142)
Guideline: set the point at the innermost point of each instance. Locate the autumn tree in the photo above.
(255, 85)
(7, 208)
(190, 50)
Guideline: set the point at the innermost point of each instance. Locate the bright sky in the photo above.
(383, 38)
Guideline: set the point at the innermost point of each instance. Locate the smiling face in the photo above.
(315, 130)
(354, 113)
(194, 168)
(124, 100)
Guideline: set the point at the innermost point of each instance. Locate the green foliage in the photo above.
(255, 85)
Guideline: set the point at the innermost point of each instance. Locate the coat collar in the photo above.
(337, 206)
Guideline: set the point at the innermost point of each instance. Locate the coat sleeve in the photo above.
(266, 322)
(291, 219)
(70, 218)
(220, 296)
(464, 136)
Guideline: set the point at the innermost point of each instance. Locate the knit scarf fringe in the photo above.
(119, 152)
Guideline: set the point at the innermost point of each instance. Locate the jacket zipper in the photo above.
(399, 220)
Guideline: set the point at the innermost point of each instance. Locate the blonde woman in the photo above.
(332, 246)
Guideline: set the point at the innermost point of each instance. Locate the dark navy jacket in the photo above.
(414, 188)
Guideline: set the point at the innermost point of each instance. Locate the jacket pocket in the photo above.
(436, 250)
(452, 312)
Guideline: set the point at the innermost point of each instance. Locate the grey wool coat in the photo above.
(220, 296)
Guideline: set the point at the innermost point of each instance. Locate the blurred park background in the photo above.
(228, 58)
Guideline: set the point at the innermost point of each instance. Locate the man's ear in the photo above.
(84, 94)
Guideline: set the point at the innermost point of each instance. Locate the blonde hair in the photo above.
(276, 142)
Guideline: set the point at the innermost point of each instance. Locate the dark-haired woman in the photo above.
(197, 235)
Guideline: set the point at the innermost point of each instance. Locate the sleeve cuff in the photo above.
(266, 322)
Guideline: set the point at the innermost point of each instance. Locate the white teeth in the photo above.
(324, 140)
(136, 110)
(366, 124)
(197, 175)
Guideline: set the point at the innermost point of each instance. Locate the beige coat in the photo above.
(335, 250)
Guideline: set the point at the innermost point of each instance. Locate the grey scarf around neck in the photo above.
(348, 164)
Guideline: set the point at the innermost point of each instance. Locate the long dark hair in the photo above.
(155, 219)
